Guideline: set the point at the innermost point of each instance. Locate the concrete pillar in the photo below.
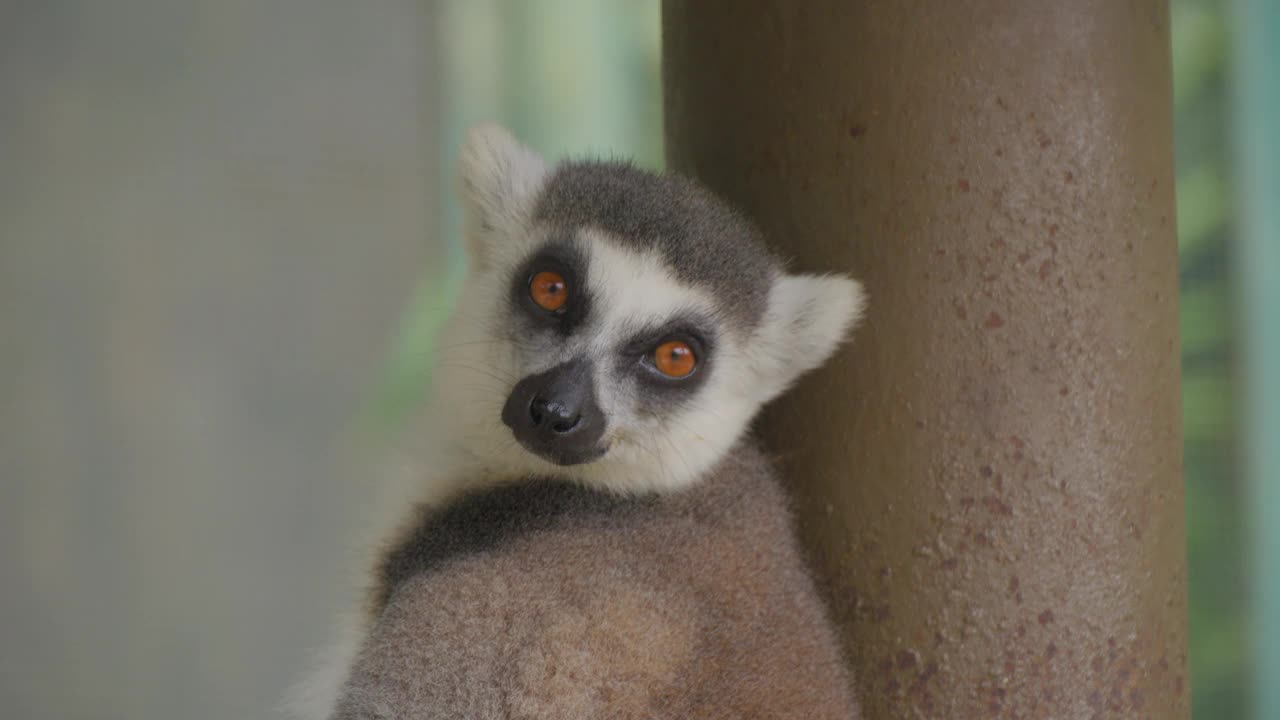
(990, 477)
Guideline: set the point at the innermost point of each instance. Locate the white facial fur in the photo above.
(482, 354)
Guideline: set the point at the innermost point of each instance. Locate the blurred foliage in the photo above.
(569, 74)
(569, 77)
(1206, 230)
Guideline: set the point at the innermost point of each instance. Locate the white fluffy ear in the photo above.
(498, 178)
(807, 319)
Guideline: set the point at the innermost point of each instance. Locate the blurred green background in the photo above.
(227, 238)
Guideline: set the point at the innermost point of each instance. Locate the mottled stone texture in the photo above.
(990, 476)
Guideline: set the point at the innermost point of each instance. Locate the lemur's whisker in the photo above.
(472, 343)
(477, 368)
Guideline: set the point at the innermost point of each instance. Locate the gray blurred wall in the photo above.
(211, 216)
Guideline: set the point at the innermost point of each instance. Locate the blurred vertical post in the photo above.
(1257, 61)
(990, 479)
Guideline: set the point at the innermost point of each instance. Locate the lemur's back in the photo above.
(549, 600)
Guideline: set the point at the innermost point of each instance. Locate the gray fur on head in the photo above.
(703, 241)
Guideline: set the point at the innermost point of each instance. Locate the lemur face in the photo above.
(616, 327)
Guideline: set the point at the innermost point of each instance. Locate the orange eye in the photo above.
(674, 358)
(549, 290)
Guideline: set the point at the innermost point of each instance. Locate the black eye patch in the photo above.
(564, 258)
(636, 355)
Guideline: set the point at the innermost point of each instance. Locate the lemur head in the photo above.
(616, 327)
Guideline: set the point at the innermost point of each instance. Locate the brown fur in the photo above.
(564, 603)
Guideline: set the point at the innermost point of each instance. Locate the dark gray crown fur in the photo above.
(704, 241)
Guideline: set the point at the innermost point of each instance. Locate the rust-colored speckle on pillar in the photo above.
(989, 477)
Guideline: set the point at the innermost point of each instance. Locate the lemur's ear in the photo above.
(498, 178)
(807, 318)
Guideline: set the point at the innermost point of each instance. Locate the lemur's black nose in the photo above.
(554, 414)
(558, 417)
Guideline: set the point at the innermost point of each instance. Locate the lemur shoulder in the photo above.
(600, 538)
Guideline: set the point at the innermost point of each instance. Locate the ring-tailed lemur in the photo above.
(601, 539)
